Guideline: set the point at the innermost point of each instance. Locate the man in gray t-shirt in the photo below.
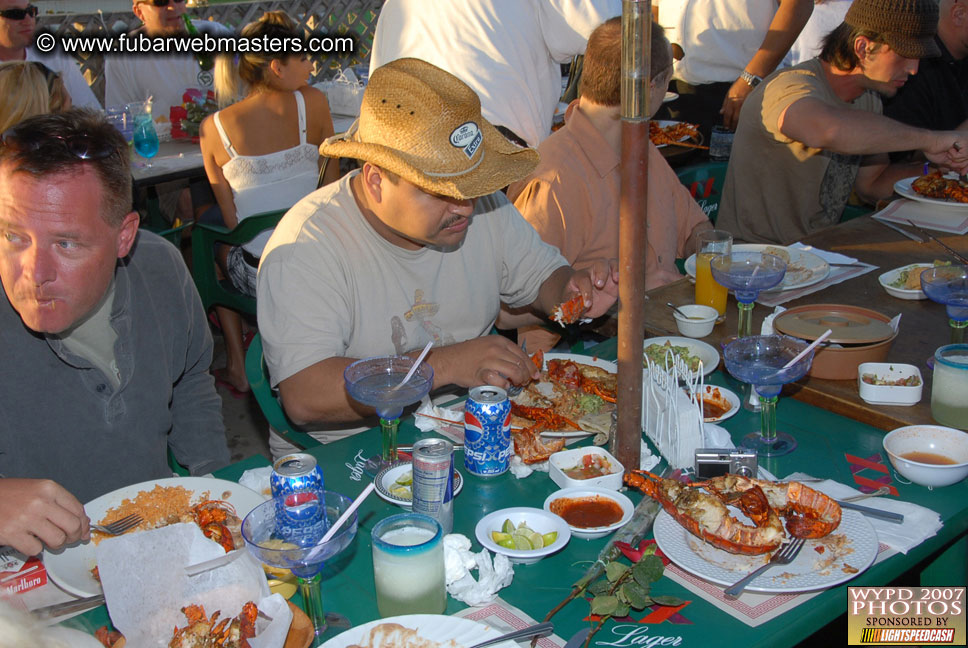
(418, 245)
(812, 134)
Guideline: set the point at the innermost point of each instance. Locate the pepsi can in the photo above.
(487, 431)
(297, 488)
(433, 480)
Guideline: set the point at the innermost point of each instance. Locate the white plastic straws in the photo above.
(812, 346)
(413, 369)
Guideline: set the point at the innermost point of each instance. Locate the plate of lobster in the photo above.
(934, 188)
(738, 533)
(663, 132)
(574, 397)
(217, 505)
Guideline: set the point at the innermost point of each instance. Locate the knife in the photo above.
(953, 253)
(578, 638)
(873, 512)
(76, 605)
(913, 237)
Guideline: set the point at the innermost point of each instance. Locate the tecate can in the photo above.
(297, 488)
(433, 480)
(487, 431)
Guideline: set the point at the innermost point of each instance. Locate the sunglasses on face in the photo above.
(82, 147)
(20, 14)
(161, 3)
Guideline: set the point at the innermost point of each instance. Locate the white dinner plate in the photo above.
(804, 269)
(730, 398)
(706, 352)
(665, 123)
(608, 365)
(809, 571)
(890, 276)
(387, 476)
(435, 627)
(904, 188)
(71, 567)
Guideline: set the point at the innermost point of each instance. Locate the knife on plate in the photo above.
(77, 605)
(873, 512)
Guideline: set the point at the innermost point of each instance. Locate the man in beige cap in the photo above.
(418, 245)
(815, 132)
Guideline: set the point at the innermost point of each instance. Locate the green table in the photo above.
(823, 437)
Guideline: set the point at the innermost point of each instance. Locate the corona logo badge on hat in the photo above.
(425, 125)
(907, 26)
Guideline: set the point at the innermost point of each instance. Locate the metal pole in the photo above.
(633, 235)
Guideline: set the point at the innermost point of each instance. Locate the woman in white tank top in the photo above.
(261, 154)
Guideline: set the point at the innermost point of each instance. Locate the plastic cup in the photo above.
(708, 245)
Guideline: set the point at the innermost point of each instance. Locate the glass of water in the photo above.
(408, 565)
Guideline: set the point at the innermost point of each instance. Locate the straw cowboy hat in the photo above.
(425, 125)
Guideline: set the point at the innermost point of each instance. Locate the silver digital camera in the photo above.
(713, 462)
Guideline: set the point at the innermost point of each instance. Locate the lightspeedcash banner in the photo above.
(921, 616)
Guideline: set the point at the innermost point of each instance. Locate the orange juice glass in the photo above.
(710, 244)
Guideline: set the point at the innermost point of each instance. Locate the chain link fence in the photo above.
(336, 17)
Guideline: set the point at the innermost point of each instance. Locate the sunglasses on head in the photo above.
(20, 14)
(81, 146)
(161, 3)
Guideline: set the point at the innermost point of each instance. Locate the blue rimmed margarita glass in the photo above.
(759, 360)
(948, 285)
(747, 274)
(371, 381)
(263, 540)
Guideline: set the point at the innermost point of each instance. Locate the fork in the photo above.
(783, 556)
(119, 526)
(514, 390)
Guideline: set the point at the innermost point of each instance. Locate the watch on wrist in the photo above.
(751, 79)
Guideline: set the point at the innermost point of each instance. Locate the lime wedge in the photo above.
(405, 479)
(537, 542)
(508, 526)
(520, 542)
(549, 538)
(508, 543)
(499, 537)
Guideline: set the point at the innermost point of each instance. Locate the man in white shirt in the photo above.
(508, 51)
(418, 245)
(17, 25)
(163, 77)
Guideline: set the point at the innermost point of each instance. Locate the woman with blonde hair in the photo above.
(29, 88)
(261, 154)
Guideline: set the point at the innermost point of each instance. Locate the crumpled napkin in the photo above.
(919, 524)
(257, 479)
(427, 409)
(829, 257)
(459, 560)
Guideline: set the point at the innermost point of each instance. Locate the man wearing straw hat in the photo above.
(418, 245)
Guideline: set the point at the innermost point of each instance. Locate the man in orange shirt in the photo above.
(572, 198)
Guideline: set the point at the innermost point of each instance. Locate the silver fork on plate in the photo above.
(119, 526)
(783, 556)
(514, 390)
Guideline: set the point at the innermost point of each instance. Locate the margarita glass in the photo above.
(373, 382)
(759, 360)
(948, 285)
(747, 274)
(264, 542)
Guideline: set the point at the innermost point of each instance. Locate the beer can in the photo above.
(297, 488)
(487, 431)
(433, 480)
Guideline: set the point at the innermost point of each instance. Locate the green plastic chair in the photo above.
(705, 183)
(258, 375)
(204, 237)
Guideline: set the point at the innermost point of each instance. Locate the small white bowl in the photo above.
(886, 278)
(889, 394)
(933, 439)
(594, 532)
(567, 459)
(696, 328)
(541, 521)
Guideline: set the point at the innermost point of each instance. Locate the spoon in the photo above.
(413, 369)
(676, 309)
(539, 629)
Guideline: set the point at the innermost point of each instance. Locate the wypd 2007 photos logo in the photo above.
(923, 616)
